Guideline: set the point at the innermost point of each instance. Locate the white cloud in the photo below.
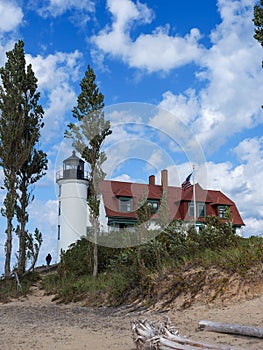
(123, 177)
(11, 16)
(56, 8)
(55, 69)
(230, 70)
(231, 97)
(184, 106)
(61, 101)
(157, 51)
(250, 153)
(56, 75)
(254, 227)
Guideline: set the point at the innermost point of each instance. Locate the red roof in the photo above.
(177, 199)
(201, 195)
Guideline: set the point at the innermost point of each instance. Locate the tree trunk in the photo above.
(95, 260)
(8, 247)
(231, 328)
(95, 248)
(22, 249)
(22, 217)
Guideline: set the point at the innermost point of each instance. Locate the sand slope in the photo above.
(35, 322)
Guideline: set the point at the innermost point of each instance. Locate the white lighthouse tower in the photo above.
(72, 197)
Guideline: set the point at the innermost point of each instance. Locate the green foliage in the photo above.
(88, 137)
(89, 134)
(184, 243)
(20, 125)
(9, 290)
(109, 288)
(33, 244)
(131, 273)
(246, 254)
(78, 260)
(258, 22)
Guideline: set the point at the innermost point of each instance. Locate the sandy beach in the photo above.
(35, 322)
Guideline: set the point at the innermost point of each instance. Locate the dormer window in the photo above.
(200, 209)
(125, 204)
(222, 211)
(191, 209)
(201, 212)
(154, 204)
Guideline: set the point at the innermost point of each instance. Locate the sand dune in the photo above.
(35, 322)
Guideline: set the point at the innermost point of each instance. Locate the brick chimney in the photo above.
(151, 180)
(164, 179)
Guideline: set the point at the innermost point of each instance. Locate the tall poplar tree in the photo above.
(88, 136)
(258, 22)
(31, 171)
(20, 124)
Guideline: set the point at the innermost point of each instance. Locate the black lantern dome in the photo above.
(73, 167)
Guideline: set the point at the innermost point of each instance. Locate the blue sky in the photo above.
(182, 83)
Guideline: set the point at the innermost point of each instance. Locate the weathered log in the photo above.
(219, 327)
(159, 336)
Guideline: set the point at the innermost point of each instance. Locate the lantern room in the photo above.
(73, 167)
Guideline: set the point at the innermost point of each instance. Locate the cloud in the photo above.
(61, 101)
(250, 154)
(58, 93)
(184, 106)
(166, 51)
(231, 100)
(11, 16)
(254, 227)
(56, 8)
(61, 66)
(230, 72)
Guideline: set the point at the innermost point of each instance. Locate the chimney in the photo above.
(164, 179)
(151, 180)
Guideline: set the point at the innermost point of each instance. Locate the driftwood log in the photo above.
(231, 328)
(160, 336)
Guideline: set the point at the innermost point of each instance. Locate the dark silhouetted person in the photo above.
(48, 259)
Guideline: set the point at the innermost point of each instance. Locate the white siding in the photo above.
(73, 218)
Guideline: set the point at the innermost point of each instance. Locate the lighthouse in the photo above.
(72, 202)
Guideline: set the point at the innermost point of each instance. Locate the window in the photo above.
(59, 208)
(154, 204)
(58, 232)
(125, 204)
(222, 211)
(201, 210)
(191, 209)
(59, 190)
